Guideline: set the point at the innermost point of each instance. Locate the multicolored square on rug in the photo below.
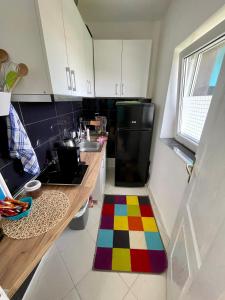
(128, 238)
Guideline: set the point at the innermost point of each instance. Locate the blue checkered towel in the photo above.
(19, 144)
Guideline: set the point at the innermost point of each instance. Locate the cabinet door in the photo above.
(54, 39)
(20, 37)
(135, 67)
(80, 54)
(89, 62)
(107, 57)
(79, 50)
(72, 39)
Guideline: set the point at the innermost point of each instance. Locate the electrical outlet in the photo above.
(3, 295)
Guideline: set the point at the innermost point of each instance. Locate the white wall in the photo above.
(168, 175)
(132, 30)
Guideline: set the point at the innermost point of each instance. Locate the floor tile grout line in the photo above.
(91, 237)
(79, 295)
(75, 284)
(129, 291)
(65, 265)
(68, 294)
(119, 273)
(134, 283)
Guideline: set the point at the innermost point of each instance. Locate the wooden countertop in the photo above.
(19, 257)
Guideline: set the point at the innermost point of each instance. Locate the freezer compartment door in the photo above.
(135, 116)
(132, 157)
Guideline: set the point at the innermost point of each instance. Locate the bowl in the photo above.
(22, 214)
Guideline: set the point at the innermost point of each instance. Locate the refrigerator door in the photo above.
(135, 116)
(132, 157)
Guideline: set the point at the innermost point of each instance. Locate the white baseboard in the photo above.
(160, 223)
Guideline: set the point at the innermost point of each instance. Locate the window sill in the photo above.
(183, 152)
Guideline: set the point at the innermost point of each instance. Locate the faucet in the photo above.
(82, 132)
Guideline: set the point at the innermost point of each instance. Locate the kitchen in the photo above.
(73, 65)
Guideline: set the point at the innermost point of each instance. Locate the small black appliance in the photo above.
(67, 169)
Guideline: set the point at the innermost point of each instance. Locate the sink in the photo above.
(87, 146)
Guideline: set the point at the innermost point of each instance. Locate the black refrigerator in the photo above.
(133, 143)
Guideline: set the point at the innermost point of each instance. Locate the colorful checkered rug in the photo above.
(128, 238)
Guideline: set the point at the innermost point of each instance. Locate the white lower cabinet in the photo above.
(99, 190)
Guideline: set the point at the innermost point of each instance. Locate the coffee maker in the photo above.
(65, 167)
(68, 156)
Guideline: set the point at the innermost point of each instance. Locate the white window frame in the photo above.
(213, 37)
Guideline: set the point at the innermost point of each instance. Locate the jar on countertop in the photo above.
(33, 189)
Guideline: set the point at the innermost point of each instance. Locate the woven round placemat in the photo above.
(46, 212)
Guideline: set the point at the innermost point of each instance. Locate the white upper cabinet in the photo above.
(79, 51)
(79, 69)
(89, 64)
(52, 24)
(122, 68)
(23, 44)
(72, 40)
(135, 68)
(107, 58)
(52, 39)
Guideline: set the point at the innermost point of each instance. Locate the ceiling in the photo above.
(122, 10)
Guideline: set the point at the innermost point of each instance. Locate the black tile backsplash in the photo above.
(66, 123)
(40, 132)
(45, 123)
(63, 108)
(42, 111)
(105, 107)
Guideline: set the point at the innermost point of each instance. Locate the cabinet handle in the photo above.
(68, 76)
(73, 81)
(122, 88)
(88, 86)
(116, 89)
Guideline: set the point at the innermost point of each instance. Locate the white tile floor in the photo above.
(65, 272)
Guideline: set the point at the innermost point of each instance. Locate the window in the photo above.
(199, 74)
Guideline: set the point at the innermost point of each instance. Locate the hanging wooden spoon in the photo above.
(3, 57)
(22, 70)
(13, 77)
